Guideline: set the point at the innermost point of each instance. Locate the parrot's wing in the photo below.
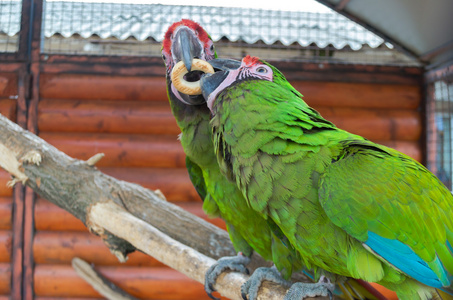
(395, 207)
(196, 176)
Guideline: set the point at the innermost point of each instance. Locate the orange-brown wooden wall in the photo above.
(128, 118)
(8, 87)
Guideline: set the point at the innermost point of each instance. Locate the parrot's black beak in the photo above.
(210, 82)
(186, 47)
(225, 64)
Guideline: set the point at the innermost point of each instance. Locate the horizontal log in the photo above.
(102, 87)
(6, 239)
(50, 217)
(60, 247)
(8, 108)
(376, 124)
(350, 72)
(6, 210)
(103, 64)
(106, 116)
(316, 93)
(143, 283)
(412, 149)
(5, 191)
(364, 95)
(121, 150)
(156, 118)
(5, 278)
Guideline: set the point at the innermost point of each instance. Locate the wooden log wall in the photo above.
(8, 108)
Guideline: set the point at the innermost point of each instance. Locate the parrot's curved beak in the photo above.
(212, 84)
(224, 64)
(186, 47)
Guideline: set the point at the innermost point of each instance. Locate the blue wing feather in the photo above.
(403, 258)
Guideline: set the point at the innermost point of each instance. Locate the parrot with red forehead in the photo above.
(184, 41)
(350, 207)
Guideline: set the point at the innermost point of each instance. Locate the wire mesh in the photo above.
(439, 128)
(138, 29)
(10, 16)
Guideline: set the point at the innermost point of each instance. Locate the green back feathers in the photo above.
(326, 189)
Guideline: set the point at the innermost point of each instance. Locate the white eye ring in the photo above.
(261, 70)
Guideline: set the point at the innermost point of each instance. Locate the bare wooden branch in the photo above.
(109, 216)
(99, 282)
(126, 215)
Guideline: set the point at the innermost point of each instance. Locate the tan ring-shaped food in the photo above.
(186, 87)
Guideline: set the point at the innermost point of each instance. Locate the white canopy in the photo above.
(423, 28)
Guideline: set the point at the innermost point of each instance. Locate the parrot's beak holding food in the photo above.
(186, 47)
(212, 84)
(185, 75)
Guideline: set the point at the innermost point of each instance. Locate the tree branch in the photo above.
(126, 215)
(99, 282)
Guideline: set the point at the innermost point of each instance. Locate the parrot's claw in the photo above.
(233, 263)
(301, 290)
(252, 285)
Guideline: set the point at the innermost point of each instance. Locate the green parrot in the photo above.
(184, 41)
(348, 206)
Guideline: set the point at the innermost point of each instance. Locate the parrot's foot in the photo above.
(252, 286)
(301, 290)
(234, 263)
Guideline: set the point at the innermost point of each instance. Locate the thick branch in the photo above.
(74, 185)
(109, 216)
(80, 188)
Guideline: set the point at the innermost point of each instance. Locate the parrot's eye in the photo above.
(261, 70)
(211, 48)
(164, 58)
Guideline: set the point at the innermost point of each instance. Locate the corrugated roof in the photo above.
(424, 28)
(143, 21)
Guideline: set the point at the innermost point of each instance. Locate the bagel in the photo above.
(187, 87)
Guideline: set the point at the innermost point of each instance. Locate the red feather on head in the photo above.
(202, 34)
(250, 60)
